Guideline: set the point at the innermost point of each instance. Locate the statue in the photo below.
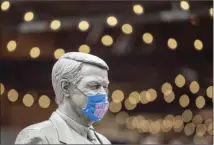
(80, 83)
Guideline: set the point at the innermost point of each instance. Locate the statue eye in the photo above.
(96, 86)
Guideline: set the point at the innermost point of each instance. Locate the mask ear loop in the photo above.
(77, 88)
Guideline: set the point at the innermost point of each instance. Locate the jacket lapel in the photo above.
(65, 134)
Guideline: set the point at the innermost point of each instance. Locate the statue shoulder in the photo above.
(103, 138)
(35, 134)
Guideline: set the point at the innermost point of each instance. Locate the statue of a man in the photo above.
(80, 83)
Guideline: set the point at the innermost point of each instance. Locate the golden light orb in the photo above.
(172, 43)
(184, 101)
(11, 45)
(107, 40)
(58, 53)
(147, 38)
(127, 29)
(143, 97)
(55, 24)
(198, 44)
(184, 5)
(13, 95)
(28, 16)
(28, 100)
(209, 91)
(180, 81)
(44, 101)
(5, 5)
(187, 115)
(84, 48)
(138, 9)
(115, 107)
(194, 87)
(83, 25)
(117, 96)
(35, 52)
(111, 21)
(2, 89)
(200, 102)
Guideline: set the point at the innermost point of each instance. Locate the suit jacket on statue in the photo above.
(54, 131)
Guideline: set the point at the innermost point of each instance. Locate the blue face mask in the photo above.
(96, 106)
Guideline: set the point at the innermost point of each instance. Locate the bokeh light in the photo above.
(210, 129)
(184, 101)
(129, 122)
(13, 95)
(35, 52)
(180, 81)
(209, 91)
(167, 123)
(201, 130)
(121, 117)
(84, 48)
(138, 9)
(211, 11)
(178, 123)
(143, 97)
(112, 21)
(184, 5)
(198, 44)
(127, 28)
(187, 115)
(28, 100)
(198, 139)
(166, 87)
(194, 87)
(151, 94)
(129, 105)
(169, 96)
(189, 129)
(107, 40)
(5, 5)
(155, 127)
(200, 102)
(172, 43)
(44, 101)
(197, 119)
(117, 96)
(11, 45)
(134, 97)
(115, 106)
(58, 53)
(55, 24)
(83, 25)
(28, 16)
(2, 89)
(147, 38)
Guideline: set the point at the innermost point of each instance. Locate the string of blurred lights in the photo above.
(107, 41)
(135, 97)
(166, 124)
(150, 95)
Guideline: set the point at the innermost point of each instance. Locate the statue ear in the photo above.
(65, 87)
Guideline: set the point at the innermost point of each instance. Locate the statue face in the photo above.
(94, 81)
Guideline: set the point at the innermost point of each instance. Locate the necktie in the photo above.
(91, 136)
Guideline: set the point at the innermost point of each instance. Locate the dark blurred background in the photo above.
(160, 55)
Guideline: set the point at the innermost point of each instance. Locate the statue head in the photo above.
(76, 75)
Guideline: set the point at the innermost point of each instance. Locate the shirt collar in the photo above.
(82, 130)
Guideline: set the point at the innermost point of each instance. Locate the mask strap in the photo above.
(77, 89)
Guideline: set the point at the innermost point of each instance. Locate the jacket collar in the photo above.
(65, 132)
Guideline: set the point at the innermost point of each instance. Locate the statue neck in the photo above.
(74, 112)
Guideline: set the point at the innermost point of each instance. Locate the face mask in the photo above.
(96, 106)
